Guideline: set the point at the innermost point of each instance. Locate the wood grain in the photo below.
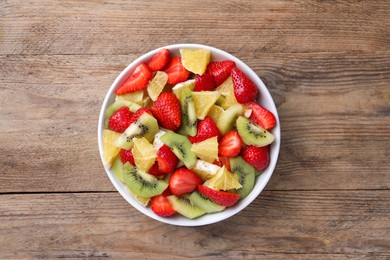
(71, 27)
(338, 103)
(325, 224)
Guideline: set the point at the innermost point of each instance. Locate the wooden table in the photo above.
(326, 64)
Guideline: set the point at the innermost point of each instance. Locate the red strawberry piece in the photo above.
(120, 120)
(176, 72)
(166, 193)
(137, 81)
(166, 159)
(127, 156)
(222, 198)
(220, 70)
(206, 129)
(230, 144)
(158, 60)
(258, 157)
(166, 109)
(183, 181)
(204, 82)
(154, 170)
(161, 206)
(223, 160)
(218, 163)
(261, 116)
(139, 112)
(244, 88)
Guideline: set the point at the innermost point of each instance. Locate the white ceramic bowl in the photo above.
(264, 99)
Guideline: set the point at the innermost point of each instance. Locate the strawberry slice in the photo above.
(154, 170)
(120, 120)
(127, 156)
(183, 181)
(138, 113)
(166, 160)
(137, 81)
(206, 129)
(166, 110)
(258, 157)
(204, 82)
(165, 163)
(176, 72)
(261, 116)
(220, 70)
(230, 144)
(222, 198)
(158, 60)
(223, 160)
(161, 206)
(244, 88)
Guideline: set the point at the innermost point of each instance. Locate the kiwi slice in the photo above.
(188, 113)
(118, 104)
(185, 207)
(228, 117)
(181, 147)
(146, 126)
(253, 134)
(258, 173)
(141, 183)
(245, 174)
(204, 203)
(117, 168)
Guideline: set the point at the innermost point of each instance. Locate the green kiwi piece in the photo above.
(253, 134)
(141, 183)
(204, 203)
(188, 114)
(228, 117)
(245, 174)
(117, 168)
(146, 126)
(118, 104)
(258, 173)
(181, 147)
(185, 207)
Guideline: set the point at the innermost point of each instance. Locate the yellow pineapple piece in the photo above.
(226, 87)
(205, 170)
(110, 151)
(206, 150)
(195, 60)
(203, 102)
(228, 98)
(227, 101)
(144, 201)
(136, 97)
(157, 84)
(144, 154)
(223, 180)
(215, 113)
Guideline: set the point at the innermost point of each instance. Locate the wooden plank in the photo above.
(72, 27)
(303, 224)
(332, 137)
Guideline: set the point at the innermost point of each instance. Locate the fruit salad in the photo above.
(186, 135)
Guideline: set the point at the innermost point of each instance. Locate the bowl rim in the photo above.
(265, 176)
